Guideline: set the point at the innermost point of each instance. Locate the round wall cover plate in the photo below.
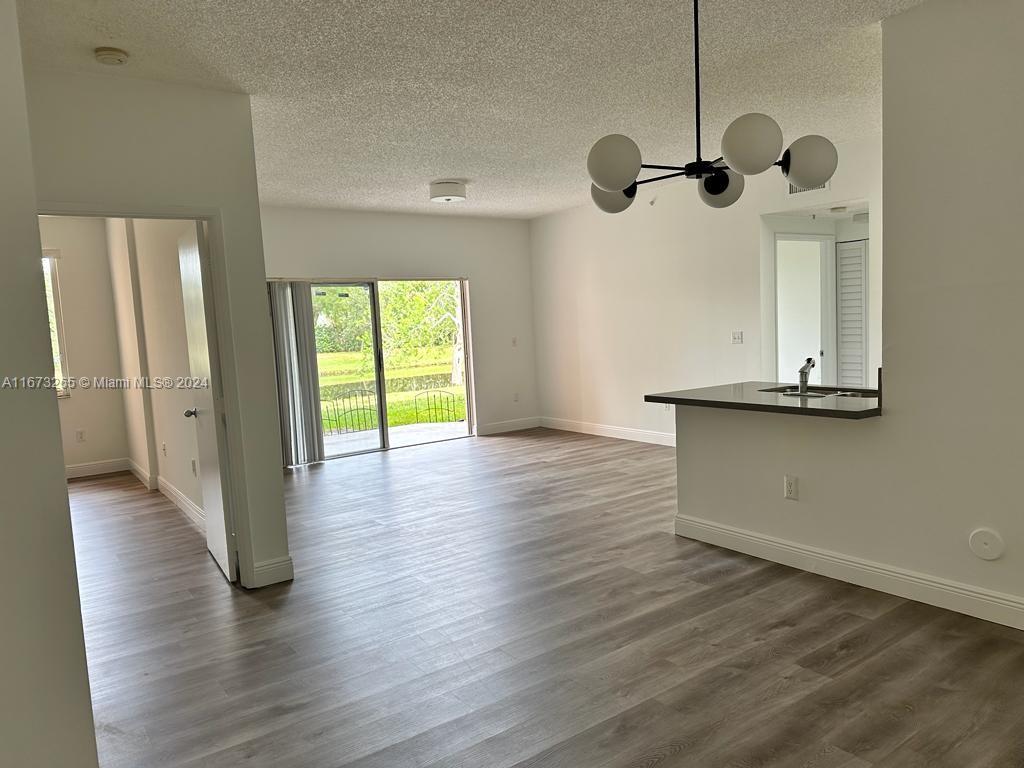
(987, 544)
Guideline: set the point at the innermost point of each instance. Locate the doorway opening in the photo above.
(390, 365)
(136, 363)
(821, 296)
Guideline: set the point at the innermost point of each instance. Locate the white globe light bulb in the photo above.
(751, 143)
(613, 202)
(614, 162)
(721, 190)
(810, 161)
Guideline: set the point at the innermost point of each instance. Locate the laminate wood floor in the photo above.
(516, 601)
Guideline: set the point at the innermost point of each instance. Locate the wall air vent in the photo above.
(796, 190)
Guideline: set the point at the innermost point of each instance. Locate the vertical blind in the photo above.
(291, 308)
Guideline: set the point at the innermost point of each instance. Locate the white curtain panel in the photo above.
(291, 307)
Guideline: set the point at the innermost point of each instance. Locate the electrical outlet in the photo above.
(737, 337)
(195, 468)
(791, 487)
(163, 448)
(79, 435)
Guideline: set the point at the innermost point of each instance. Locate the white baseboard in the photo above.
(143, 476)
(604, 430)
(191, 510)
(90, 468)
(1000, 607)
(270, 572)
(512, 425)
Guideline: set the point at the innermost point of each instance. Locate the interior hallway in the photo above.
(511, 601)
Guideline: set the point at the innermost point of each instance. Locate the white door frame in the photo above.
(827, 353)
(232, 472)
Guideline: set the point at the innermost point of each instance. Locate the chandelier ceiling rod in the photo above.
(696, 72)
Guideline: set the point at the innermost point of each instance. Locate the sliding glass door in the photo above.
(348, 367)
(392, 363)
(423, 336)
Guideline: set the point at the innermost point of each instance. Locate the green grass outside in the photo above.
(347, 367)
(351, 367)
(402, 407)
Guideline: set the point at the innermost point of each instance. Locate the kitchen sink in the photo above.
(792, 390)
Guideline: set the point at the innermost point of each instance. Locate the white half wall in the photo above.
(119, 146)
(493, 254)
(45, 709)
(91, 344)
(891, 502)
(647, 300)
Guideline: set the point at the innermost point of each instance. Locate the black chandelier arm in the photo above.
(663, 167)
(660, 178)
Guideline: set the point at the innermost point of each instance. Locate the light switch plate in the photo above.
(737, 337)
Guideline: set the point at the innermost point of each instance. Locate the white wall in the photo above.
(163, 312)
(646, 301)
(90, 340)
(137, 401)
(890, 502)
(45, 711)
(493, 254)
(848, 229)
(122, 146)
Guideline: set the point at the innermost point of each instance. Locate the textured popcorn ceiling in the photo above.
(362, 104)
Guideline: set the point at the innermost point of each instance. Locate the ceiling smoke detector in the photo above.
(447, 191)
(112, 57)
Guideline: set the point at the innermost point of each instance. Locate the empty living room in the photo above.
(511, 385)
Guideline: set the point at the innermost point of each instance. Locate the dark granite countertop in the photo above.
(748, 396)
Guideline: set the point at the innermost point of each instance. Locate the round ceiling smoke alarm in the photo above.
(112, 57)
(447, 191)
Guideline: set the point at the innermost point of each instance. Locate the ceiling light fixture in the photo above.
(113, 57)
(750, 145)
(450, 191)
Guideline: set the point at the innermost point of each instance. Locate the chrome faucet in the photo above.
(805, 372)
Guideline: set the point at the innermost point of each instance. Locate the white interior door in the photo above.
(207, 409)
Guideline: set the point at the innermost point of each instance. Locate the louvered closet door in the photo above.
(852, 312)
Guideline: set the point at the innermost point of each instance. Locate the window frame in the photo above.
(50, 258)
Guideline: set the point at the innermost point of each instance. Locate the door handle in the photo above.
(191, 413)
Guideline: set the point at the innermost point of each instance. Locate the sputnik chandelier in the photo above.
(750, 145)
